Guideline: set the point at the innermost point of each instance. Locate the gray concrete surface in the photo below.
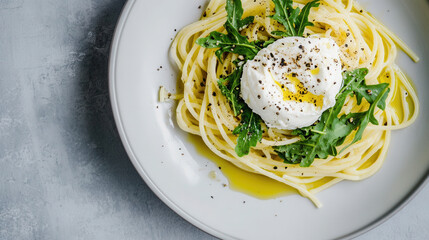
(63, 171)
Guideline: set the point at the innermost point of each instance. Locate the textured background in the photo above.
(63, 171)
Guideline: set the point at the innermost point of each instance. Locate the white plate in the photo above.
(155, 144)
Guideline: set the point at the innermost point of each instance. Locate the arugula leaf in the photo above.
(232, 42)
(249, 131)
(376, 95)
(230, 88)
(234, 11)
(321, 140)
(302, 19)
(293, 19)
(286, 15)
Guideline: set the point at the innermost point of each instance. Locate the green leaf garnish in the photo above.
(321, 140)
(249, 131)
(230, 88)
(293, 19)
(232, 42)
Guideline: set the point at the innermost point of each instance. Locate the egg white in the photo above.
(315, 62)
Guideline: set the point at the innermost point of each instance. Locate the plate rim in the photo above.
(114, 47)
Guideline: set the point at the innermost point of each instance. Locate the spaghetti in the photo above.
(364, 43)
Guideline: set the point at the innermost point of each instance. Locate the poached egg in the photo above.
(293, 81)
